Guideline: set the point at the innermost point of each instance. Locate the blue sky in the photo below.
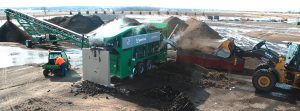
(251, 5)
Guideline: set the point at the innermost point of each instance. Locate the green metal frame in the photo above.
(37, 28)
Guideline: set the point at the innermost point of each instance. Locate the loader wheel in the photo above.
(46, 72)
(262, 66)
(263, 80)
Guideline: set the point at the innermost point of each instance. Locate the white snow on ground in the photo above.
(13, 21)
(246, 42)
(285, 30)
(15, 56)
(75, 57)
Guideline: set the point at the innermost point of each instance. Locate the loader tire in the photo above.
(262, 66)
(263, 80)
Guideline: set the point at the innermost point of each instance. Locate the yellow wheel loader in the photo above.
(278, 68)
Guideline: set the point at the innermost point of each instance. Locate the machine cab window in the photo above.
(54, 55)
(293, 57)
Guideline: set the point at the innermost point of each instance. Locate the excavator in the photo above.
(279, 68)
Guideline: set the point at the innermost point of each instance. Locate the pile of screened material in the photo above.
(78, 23)
(173, 21)
(9, 32)
(198, 36)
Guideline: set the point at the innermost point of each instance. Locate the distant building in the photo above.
(217, 18)
(210, 17)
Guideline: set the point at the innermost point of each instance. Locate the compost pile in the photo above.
(166, 86)
(173, 99)
(198, 36)
(189, 75)
(172, 22)
(176, 100)
(9, 32)
(198, 29)
(78, 23)
(216, 79)
(91, 88)
(130, 21)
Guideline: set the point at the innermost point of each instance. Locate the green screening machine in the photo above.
(120, 50)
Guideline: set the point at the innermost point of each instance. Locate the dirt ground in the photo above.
(25, 88)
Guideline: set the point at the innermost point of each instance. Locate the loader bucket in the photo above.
(224, 50)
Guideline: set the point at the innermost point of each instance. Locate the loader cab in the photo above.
(292, 61)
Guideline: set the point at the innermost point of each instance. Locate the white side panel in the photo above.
(96, 66)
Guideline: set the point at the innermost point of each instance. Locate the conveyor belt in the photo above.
(36, 28)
